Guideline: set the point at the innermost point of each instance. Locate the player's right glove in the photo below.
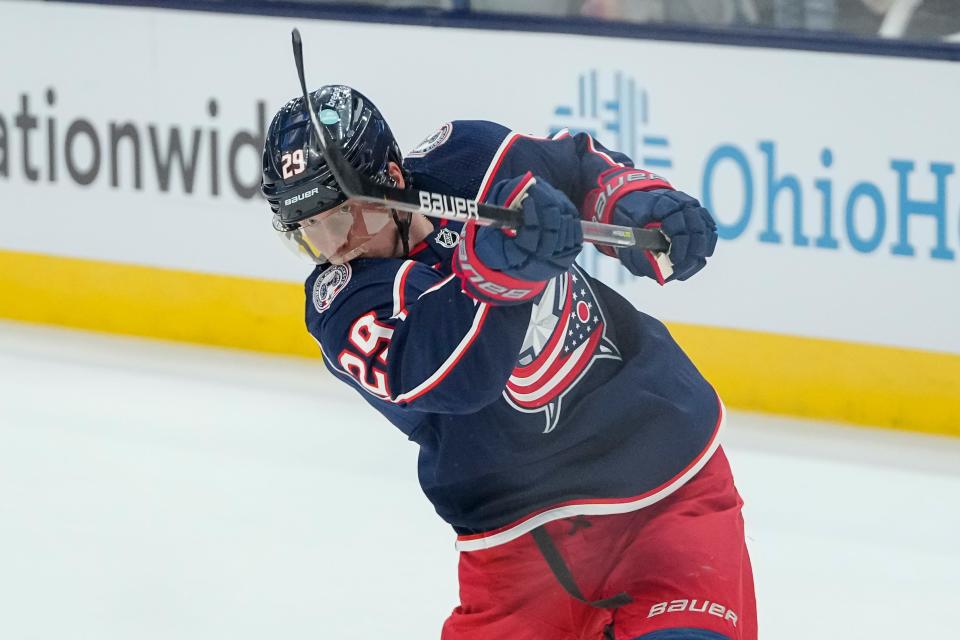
(636, 198)
(509, 267)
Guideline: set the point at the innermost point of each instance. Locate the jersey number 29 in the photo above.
(372, 339)
(293, 164)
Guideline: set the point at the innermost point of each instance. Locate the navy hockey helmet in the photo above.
(293, 164)
(299, 185)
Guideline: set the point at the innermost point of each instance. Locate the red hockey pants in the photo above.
(682, 561)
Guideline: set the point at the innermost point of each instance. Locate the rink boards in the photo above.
(128, 182)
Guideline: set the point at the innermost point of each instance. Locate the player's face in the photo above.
(349, 230)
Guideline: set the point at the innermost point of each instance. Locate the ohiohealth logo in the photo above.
(614, 110)
(820, 201)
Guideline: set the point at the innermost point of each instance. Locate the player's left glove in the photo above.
(635, 198)
(688, 226)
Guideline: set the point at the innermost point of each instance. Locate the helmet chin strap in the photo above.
(403, 229)
(403, 224)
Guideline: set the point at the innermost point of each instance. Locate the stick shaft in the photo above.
(438, 205)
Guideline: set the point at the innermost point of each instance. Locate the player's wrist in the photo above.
(485, 283)
(612, 185)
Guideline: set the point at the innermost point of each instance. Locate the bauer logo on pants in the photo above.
(328, 284)
(694, 606)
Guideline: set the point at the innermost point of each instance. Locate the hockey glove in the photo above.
(509, 267)
(635, 198)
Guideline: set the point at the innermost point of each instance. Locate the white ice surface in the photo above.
(151, 490)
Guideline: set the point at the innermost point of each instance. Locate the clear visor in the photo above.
(341, 234)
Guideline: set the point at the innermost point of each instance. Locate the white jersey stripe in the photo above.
(450, 362)
(594, 150)
(495, 162)
(438, 285)
(399, 282)
(469, 543)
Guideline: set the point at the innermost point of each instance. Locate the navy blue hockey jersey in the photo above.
(572, 403)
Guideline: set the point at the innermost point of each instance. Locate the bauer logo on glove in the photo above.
(635, 198)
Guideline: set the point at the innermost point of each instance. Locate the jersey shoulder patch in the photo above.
(328, 284)
(447, 238)
(431, 142)
(454, 159)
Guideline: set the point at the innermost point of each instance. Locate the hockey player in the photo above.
(563, 434)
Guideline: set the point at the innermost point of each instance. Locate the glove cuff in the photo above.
(613, 184)
(485, 284)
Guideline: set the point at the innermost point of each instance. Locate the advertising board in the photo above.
(132, 140)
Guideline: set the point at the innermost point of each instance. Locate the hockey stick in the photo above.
(438, 205)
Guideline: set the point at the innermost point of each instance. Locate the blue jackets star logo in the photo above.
(566, 334)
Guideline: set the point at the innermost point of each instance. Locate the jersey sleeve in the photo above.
(409, 337)
(573, 164)
(467, 157)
